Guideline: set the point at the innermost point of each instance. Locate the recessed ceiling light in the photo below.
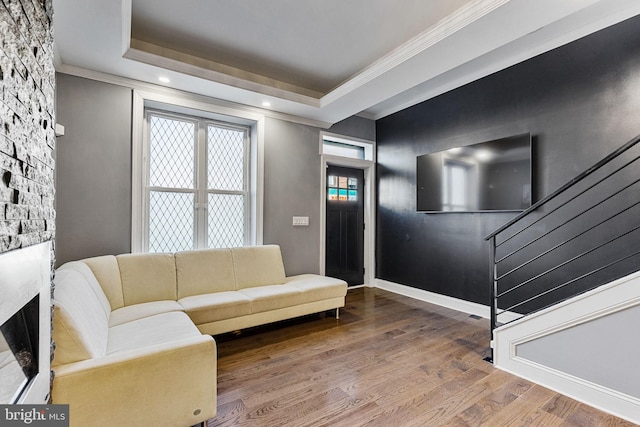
(164, 79)
(266, 104)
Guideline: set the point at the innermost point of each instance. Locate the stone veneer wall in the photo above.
(27, 123)
(27, 126)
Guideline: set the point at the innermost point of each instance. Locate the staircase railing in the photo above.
(581, 236)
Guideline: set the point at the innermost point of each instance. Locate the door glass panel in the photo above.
(342, 188)
(332, 194)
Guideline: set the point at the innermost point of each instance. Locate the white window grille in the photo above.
(197, 190)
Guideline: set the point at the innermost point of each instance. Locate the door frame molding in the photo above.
(369, 205)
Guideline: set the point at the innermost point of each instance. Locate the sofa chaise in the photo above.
(133, 331)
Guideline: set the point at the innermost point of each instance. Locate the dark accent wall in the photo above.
(580, 102)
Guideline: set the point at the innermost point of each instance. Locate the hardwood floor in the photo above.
(388, 361)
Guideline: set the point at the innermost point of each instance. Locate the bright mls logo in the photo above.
(36, 415)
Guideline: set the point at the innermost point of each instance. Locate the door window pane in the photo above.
(342, 188)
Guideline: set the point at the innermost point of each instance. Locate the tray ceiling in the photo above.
(319, 60)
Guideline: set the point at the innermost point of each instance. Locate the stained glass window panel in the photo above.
(342, 182)
(342, 194)
(353, 196)
(171, 152)
(170, 221)
(332, 181)
(226, 158)
(226, 220)
(332, 194)
(353, 183)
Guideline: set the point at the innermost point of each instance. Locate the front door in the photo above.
(344, 256)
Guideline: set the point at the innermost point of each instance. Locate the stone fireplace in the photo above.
(25, 325)
(27, 211)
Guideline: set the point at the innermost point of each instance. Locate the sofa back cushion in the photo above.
(258, 266)
(147, 277)
(204, 271)
(105, 269)
(81, 317)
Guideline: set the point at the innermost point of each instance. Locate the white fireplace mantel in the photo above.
(26, 273)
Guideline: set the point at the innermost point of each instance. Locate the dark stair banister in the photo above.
(493, 273)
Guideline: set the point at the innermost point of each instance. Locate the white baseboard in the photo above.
(603, 301)
(441, 300)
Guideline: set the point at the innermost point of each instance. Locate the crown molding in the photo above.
(149, 87)
(454, 22)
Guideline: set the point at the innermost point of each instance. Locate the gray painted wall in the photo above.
(583, 350)
(292, 188)
(355, 127)
(94, 176)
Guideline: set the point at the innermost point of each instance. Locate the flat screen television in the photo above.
(488, 176)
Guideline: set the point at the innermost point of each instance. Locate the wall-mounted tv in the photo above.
(488, 176)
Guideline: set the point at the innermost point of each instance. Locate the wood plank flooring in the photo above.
(388, 361)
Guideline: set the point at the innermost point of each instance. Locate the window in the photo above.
(455, 186)
(343, 150)
(334, 145)
(197, 189)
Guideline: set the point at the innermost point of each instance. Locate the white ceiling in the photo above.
(322, 61)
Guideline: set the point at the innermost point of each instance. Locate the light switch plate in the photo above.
(300, 221)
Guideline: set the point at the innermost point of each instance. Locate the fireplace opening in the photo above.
(19, 351)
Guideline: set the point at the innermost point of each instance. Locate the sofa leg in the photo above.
(337, 313)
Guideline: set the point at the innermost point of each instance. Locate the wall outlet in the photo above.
(300, 221)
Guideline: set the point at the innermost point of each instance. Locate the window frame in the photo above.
(203, 108)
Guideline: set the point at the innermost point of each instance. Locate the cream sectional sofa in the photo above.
(132, 331)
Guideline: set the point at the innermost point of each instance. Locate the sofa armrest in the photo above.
(166, 384)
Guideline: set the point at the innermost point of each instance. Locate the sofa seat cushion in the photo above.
(318, 288)
(216, 306)
(145, 309)
(272, 297)
(149, 331)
